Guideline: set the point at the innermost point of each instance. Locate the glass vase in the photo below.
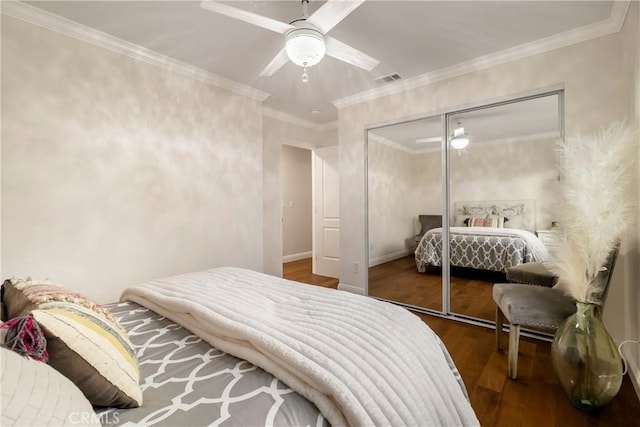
(586, 360)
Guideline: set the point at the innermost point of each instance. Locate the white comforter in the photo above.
(361, 361)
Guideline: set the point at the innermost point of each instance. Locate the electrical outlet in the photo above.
(356, 268)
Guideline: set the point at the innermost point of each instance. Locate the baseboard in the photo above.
(633, 369)
(351, 288)
(296, 257)
(388, 257)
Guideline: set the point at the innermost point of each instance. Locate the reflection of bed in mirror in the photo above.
(486, 235)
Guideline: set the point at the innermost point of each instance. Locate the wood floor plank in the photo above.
(300, 271)
(535, 399)
(492, 377)
(486, 404)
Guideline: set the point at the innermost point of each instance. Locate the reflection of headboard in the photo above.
(427, 222)
(506, 208)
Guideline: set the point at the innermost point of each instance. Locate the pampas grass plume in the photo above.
(595, 208)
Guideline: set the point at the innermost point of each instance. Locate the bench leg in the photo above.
(514, 338)
(499, 323)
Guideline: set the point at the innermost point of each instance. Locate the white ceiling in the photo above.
(410, 38)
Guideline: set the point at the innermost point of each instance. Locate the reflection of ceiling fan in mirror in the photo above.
(306, 39)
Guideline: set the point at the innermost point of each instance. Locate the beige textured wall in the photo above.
(633, 331)
(390, 204)
(629, 296)
(426, 194)
(296, 200)
(116, 172)
(621, 314)
(510, 171)
(276, 133)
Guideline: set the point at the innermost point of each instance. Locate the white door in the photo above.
(326, 212)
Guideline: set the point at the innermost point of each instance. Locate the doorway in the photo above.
(297, 203)
(310, 214)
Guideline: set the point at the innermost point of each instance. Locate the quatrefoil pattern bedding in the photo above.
(186, 382)
(481, 251)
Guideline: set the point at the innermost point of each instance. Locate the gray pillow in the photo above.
(427, 222)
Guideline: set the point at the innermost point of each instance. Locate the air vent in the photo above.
(388, 79)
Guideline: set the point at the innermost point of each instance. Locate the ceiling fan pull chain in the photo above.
(305, 76)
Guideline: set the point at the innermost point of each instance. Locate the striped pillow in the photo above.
(84, 341)
(491, 221)
(20, 296)
(92, 351)
(497, 220)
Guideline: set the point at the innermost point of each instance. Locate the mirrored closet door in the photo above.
(405, 201)
(503, 179)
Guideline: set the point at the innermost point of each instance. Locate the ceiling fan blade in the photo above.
(352, 56)
(249, 17)
(276, 63)
(332, 12)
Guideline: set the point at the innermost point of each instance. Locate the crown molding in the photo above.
(299, 144)
(474, 144)
(611, 25)
(280, 115)
(50, 21)
(619, 13)
(391, 143)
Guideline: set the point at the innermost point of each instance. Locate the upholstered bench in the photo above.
(538, 307)
(532, 273)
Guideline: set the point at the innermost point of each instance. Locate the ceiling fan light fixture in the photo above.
(305, 47)
(459, 139)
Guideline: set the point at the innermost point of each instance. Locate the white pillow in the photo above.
(35, 394)
(459, 220)
(513, 221)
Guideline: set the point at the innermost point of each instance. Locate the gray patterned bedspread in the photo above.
(484, 249)
(186, 382)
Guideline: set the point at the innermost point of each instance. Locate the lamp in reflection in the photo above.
(459, 138)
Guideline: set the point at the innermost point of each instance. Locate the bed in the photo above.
(487, 235)
(230, 346)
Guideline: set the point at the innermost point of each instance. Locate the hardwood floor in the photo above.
(399, 280)
(534, 399)
(472, 292)
(300, 271)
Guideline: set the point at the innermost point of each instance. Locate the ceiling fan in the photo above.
(306, 39)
